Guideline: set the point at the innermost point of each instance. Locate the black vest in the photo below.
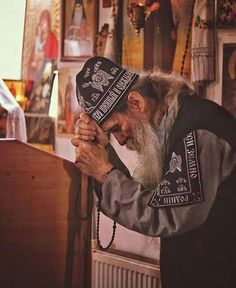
(206, 256)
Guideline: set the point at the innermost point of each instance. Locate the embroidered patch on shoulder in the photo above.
(181, 184)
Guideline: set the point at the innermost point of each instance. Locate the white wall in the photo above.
(12, 30)
(64, 148)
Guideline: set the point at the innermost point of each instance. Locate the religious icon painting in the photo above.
(78, 29)
(39, 61)
(226, 14)
(101, 40)
(108, 39)
(40, 52)
(160, 35)
(68, 107)
(132, 44)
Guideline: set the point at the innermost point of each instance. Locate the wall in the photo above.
(12, 25)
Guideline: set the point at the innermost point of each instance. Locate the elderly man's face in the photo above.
(140, 136)
(120, 125)
(123, 124)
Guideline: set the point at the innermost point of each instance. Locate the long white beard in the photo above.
(150, 163)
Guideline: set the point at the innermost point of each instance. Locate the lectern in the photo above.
(45, 220)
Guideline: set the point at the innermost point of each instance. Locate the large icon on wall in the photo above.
(161, 30)
(78, 29)
(40, 54)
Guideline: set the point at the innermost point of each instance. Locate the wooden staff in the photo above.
(84, 233)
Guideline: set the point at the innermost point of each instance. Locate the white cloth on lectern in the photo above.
(16, 126)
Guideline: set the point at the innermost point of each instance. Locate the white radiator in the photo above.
(114, 271)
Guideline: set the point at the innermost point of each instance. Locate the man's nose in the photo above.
(120, 137)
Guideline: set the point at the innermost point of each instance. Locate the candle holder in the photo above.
(138, 14)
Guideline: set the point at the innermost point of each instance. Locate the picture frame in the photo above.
(216, 91)
(226, 14)
(68, 106)
(229, 77)
(79, 29)
(39, 61)
(40, 53)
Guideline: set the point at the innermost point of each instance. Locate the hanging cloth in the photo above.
(203, 42)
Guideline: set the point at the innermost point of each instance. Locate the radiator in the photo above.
(114, 271)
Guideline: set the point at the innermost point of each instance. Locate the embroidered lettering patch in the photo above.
(181, 184)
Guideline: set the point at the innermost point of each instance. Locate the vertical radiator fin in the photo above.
(114, 271)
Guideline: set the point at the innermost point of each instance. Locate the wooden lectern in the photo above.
(45, 220)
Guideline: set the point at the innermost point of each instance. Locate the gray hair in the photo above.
(156, 86)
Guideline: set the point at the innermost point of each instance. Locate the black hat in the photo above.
(100, 85)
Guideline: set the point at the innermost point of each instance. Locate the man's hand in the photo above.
(87, 129)
(90, 142)
(92, 160)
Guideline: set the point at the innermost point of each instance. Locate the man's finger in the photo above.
(81, 127)
(86, 137)
(85, 129)
(84, 117)
(75, 141)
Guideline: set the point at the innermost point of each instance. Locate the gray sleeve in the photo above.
(125, 201)
(114, 160)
